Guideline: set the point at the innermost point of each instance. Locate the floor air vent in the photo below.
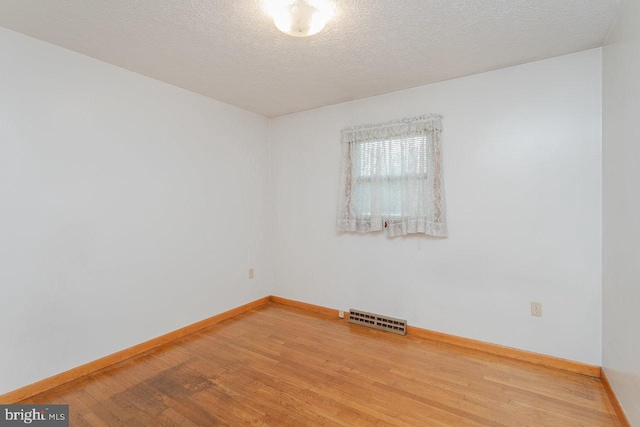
(378, 321)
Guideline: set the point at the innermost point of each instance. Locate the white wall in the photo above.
(621, 210)
(522, 164)
(128, 208)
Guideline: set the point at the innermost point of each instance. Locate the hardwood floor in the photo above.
(278, 365)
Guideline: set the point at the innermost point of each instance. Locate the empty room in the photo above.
(319, 212)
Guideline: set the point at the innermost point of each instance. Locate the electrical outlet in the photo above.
(341, 314)
(251, 273)
(536, 309)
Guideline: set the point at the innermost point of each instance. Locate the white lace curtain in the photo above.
(392, 178)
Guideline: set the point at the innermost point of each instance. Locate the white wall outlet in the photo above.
(251, 273)
(341, 314)
(536, 309)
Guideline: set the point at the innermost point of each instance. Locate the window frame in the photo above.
(400, 215)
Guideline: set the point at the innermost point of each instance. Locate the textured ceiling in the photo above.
(230, 50)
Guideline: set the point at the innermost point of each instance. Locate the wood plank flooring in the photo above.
(278, 366)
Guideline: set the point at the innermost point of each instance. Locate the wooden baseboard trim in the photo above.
(305, 306)
(499, 350)
(512, 353)
(104, 362)
(622, 416)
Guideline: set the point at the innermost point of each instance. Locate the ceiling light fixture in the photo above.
(300, 18)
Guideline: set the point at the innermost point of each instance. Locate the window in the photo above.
(392, 178)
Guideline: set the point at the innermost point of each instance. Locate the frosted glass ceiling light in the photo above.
(300, 18)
